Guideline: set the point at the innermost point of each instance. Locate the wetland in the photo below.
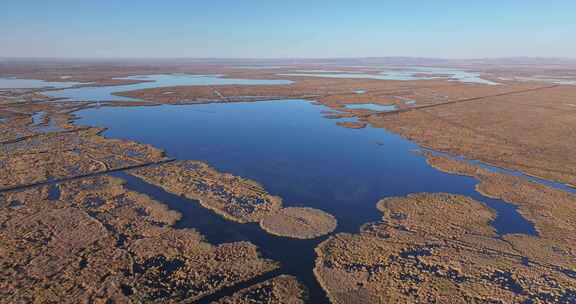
(301, 199)
(106, 93)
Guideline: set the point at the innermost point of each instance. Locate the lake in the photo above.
(105, 93)
(405, 74)
(296, 153)
(18, 83)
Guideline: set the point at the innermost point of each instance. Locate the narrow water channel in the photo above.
(106, 93)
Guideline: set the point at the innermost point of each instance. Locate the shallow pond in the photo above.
(327, 71)
(17, 83)
(38, 118)
(408, 73)
(372, 107)
(295, 153)
(545, 79)
(105, 93)
(39, 125)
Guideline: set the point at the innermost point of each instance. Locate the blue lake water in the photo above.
(38, 118)
(327, 71)
(372, 106)
(544, 79)
(409, 73)
(17, 83)
(105, 93)
(552, 184)
(39, 125)
(293, 151)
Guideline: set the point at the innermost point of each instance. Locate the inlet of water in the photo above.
(406, 74)
(295, 153)
(18, 83)
(106, 93)
(372, 107)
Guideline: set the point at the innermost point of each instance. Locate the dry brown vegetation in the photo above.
(552, 211)
(233, 197)
(283, 289)
(531, 131)
(299, 222)
(40, 157)
(238, 199)
(439, 248)
(334, 92)
(30, 154)
(99, 242)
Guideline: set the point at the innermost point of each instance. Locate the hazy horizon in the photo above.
(297, 29)
(311, 59)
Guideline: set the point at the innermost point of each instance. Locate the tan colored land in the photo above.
(529, 131)
(99, 242)
(283, 289)
(440, 248)
(40, 157)
(334, 92)
(552, 211)
(237, 199)
(299, 222)
(233, 197)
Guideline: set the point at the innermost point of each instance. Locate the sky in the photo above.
(287, 29)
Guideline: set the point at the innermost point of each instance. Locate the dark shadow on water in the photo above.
(507, 220)
(296, 256)
(54, 192)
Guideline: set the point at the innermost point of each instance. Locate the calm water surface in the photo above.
(557, 80)
(549, 183)
(17, 83)
(39, 125)
(409, 73)
(154, 81)
(295, 153)
(372, 107)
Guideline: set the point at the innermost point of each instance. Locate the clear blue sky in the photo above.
(236, 28)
